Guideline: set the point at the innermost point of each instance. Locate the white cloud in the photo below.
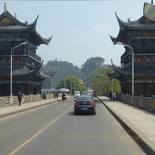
(99, 27)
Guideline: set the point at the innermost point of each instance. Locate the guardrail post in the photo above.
(11, 100)
(140, 100)
(1, 101)
(153, 103)
(31, 97)
(23, 99)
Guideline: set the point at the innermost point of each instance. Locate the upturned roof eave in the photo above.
(22, 27)
(45, 76)
(118, 38)
(113, 39)
(28, 29)
(41, 39)
(16, 21)
(140, 68)
(16, 28)
(26, 70)
(135, 25)
(19, 69)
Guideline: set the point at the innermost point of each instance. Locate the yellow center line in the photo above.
(37, 134)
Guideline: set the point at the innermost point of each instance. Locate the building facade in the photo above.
(27, 73)
(140, 36)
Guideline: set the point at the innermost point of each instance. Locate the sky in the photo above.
(80, 29)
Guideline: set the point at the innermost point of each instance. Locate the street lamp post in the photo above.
(112, 85)
(105, 89)
(53, 75)
(132, 65)
(11, 68)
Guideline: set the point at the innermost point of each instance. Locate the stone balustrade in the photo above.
(146, 103)
(7, 101)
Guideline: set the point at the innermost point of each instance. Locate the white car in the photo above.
(76, 94)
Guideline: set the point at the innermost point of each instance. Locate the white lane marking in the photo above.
(37, 134)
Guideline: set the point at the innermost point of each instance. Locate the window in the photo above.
(17, 60)
(2, 60)
(138, 48)
(148, 58)
(139, 59)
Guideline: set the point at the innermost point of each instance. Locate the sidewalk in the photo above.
(10, 110)
(139, 123)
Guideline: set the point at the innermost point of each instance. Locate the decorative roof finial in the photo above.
(5, 7)
(151, 1)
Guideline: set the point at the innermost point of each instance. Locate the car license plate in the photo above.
(84, 108)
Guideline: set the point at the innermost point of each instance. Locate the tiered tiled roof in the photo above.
(9, 23)
(144, 26)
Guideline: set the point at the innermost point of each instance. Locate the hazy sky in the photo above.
(81, 29)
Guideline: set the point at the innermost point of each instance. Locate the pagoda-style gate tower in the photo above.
(27, 75)
(140, 35)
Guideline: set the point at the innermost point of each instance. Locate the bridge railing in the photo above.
(146, 103)
(7, 100)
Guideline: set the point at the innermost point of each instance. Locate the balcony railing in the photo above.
(33, 55)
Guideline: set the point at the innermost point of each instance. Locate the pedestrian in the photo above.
(63, 97)
(110, 95)
(114, 96)
(57, 94)
(54, 94)
(20, 95)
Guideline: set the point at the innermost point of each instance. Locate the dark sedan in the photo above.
(85, 104)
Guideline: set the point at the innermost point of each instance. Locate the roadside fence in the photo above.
(7, 100)
(146, 103)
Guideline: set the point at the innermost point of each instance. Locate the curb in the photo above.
(29, 108)
(26, 109)
(146, 148)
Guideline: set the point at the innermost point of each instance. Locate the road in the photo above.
(55, 130)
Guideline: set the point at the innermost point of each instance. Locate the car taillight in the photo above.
(92, 103)
(77, 103)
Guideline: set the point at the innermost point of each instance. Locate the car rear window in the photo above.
(84, 98)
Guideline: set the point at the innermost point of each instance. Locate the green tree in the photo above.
(64, 69)
(89, 68)
(72, 83)
(102, 84)
(92, 64)
(93, 73)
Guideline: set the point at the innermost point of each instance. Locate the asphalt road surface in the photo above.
(55, 130)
